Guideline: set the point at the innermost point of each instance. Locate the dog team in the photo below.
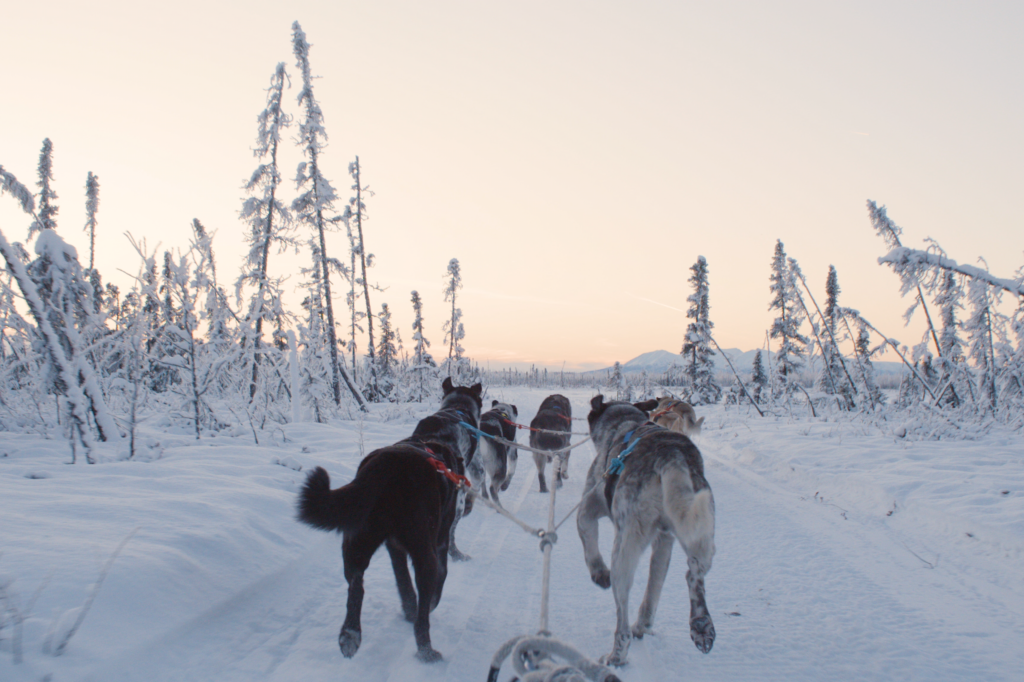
(648, 477)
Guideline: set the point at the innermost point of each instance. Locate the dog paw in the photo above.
(428, 655)
(543, 488)
(602, 578)
(457, 555)
(640, 630)
(349, 641)
(702, 632)
(612, 660)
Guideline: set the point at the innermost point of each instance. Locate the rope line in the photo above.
(531, 428)
(478, 432)
(537, 532)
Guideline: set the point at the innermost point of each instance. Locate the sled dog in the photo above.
(458, 404)
(675, 415)
(659, 495)
(399, 497)
(498, 460)
(555, 414)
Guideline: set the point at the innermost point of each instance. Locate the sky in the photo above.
(576, 157)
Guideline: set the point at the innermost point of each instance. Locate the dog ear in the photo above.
(515, 411)
(596, 401)
(446, 385)
(646, 405)
(476, 389)
(494, 403)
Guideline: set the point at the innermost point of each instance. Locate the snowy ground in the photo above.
(844, 553)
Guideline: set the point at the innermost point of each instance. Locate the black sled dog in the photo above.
(458, 404)
(650, 481)
(497, 459)
(405, 496)
(554, 415)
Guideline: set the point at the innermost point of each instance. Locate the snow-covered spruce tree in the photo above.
(270, 224)
(66, 295)
(617, 382)
(356, 214)
(423, 366)
(911, 274)
(980, 327)
(315, 379)
(786, 327)
(758, 378)
(82, 390)
(834, 377)
(698, 364)
(92, 205)
(352, 298)
(453, 330)
(317, 199)
(46, 218)
(387, 356)
(862, 347)
(951, 347)
(221, 347)
(180, 340)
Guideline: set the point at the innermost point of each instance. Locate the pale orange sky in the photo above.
(576, 157)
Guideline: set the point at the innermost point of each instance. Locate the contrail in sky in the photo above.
(664, 305)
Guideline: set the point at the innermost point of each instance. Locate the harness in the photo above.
(435, 461)
(618, 463)
(665, 410)
(442, 468)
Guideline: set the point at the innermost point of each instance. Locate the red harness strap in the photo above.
(455, 478)
(661, 413)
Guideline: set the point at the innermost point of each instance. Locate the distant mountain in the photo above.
(658, 362)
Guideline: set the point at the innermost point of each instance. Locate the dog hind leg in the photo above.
(541, 462)
(661, 555)
(356, 552)
(424, 561)
(453, 551)
(406, 592)
(513, 458)
(693, 519)
(629, 544)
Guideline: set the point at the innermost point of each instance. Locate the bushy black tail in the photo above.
(343, 509)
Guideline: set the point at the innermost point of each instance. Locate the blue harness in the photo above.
(619, 462)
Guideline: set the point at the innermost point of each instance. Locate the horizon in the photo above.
(576, 158)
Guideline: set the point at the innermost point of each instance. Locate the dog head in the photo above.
(509, 410)
(675, 415)
(464, 398)
(606, 418)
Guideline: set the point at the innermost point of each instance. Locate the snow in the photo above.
(60, 252)
(844, 552)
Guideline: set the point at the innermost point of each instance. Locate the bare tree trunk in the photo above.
(366, 284)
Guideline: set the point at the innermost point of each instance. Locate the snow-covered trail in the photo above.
(799, 591)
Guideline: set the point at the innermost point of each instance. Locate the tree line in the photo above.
(204, 351)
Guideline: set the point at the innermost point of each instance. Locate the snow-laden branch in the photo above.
(903, 256)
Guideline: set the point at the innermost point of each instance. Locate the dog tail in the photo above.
(339, 510)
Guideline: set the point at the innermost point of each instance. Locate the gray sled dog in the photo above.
(458, 404)
(497, 459)
(550, 430)
(659, 495)
(675, 415)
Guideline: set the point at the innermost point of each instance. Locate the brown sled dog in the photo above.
(550, 430)
(674, 415)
